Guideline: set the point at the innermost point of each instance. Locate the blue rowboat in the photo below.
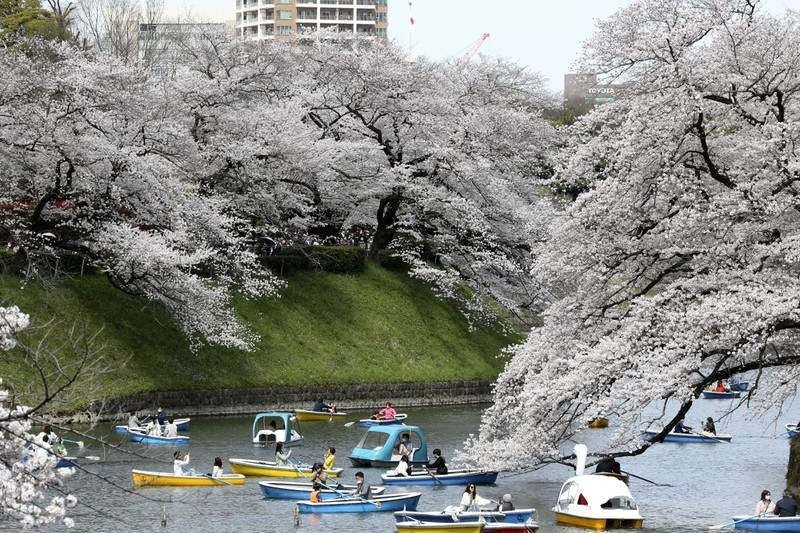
(740, 386)
(144, 438)
(379, 445)
(385, 503)
(453, 477)
(518, 516)
(66, 462)
(290, 490)
(369, 422)
(714, 395)
(184, 424)
(792, 430)
(787, 524)
(703, 437)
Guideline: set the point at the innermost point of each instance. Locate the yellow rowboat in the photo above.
(599, 422)
(433, 527)
(598, 523)
(252, 467)
(142, 478)
(317, 416)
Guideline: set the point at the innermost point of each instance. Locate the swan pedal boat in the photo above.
(288, 490)
(304, 415)
(792, 429)
(141, 436)
(384, 503)
(369, 422)
(453, 477)
(714, 395)
(184, 424)
(788, 524)
(517, 516)
(253, 467)
(142, 478)
(700, 437)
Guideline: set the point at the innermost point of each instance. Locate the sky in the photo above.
(544, 35)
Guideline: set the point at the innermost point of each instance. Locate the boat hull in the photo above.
(597, 523)
(184, 424)
(713, 395)
(787, 524)
(466, 527)
(142, 438)
(792, 430)
(454, 478)
(390, 503)
(518, 516)
(299, 491)
(505, 527)
(143, 478)
(66, 462)
(317, 416)
(254, 468)
(690, 437)
(369, 422)
(740, 387)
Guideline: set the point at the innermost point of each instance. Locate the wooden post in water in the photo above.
(793, 468)
(163, 515)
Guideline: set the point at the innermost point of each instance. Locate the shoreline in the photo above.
(233, 402)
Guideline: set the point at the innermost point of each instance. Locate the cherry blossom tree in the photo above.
(677, 266)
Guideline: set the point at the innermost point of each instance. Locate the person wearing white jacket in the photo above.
(180, 461)
(470, 499)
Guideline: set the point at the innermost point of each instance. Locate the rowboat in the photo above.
(184, 424)
(66, 462)
(598, 422)
(714, 395)
(453, 477)
(792, 430)
(143, 478)
(596, 501)
(786, 524)
(273, 427)
(517, 516)
(253, 467)
(317, 416)
(139, 435)
(432, 527)
(378, 446)
(701, 437)
(369, 422)
(287, 490)
(740, 386)
(384, 503)
(505, 527)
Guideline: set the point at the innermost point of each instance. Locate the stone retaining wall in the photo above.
(279, 397)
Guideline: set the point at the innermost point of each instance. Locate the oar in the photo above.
(433, 476)
(78, 443)
(647, 480)
(708, 436)
(349, 424)
(209, 476)
(729, 524)
(342, 494)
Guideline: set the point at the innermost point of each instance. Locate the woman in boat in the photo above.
(318, 473)
(438, 463)
(388, 412)
(403, 468)
(180, 461)
(217, 471)
(133, 422)
(709, 426)
(470, 499)
(765, 505)
(721, 387)
(171, 429)
(315, 493)
(405, 448)
(506, 505)
(154, 430)
(329, 459)
(281, 457)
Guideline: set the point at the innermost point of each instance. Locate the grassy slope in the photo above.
(378, 326)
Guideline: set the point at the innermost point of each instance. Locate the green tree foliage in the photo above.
(29, 18)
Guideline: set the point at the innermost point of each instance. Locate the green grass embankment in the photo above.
(375, 327)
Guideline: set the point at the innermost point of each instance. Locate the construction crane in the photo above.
(474, 47)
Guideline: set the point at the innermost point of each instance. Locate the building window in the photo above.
(380, 32)
(284, 1)
(283, 30)
(380, 17)
(285, 15)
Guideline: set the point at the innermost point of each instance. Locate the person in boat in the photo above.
(709, 426)
(133, 421)
(786, 506)
(608, 465)
(321, 407)
(681, 428)
(388, 412)
(281, 457)
(403, 467)
(721, 387)
(438, 463)
(315, 491)
(318, 473)
(180, 460)
(154, 429)
(405, 448)
(161, 417)
(171, 429)
(363, 489)
(376, 415)
(506, 504)
(471, 499)
(765, 505)
(330, 459)
(47, 431)
(217, 470)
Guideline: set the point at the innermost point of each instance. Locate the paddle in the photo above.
(209, 476)
(729, 524)
(342, 494)
(708, 436)
(78, 443)
(432, 475)
(349, 424)
(647, 480)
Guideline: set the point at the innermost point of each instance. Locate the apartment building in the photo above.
(164, 45)
(269, 19)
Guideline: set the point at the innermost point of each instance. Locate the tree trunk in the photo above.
(793, 469)
(384, 233)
